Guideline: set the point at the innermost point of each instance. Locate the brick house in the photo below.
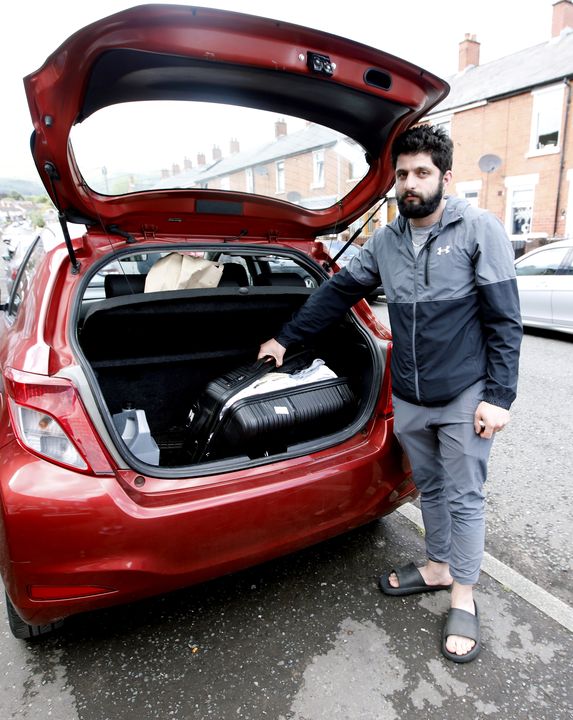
(511, 122)
(308, 167)
(512, 126)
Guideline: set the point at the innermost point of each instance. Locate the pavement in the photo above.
(307, 637)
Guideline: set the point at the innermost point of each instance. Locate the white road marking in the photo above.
(538, 597)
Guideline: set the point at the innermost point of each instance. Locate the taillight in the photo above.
(44, 435)
(50, 420)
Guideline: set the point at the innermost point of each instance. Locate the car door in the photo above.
(537, 279)
(562, 295)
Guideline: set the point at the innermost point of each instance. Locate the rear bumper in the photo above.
(64, 532)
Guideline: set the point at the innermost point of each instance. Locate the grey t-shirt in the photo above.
(419, 235)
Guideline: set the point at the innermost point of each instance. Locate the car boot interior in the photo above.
(157, 352)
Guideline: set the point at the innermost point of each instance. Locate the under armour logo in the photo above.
(443, 250)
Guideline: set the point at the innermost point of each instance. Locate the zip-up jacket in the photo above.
(454, 309)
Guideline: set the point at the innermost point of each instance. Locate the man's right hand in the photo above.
(274, 349)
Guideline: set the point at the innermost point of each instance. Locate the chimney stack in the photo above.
(234, 148)
(187, 164)
(175, 169)
(200, 158)
(469, 52)
(217, 154)
(562, 17)
(280, 128)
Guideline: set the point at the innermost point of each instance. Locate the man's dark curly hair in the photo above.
(425, 139)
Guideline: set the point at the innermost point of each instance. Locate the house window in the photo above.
(521, 211)
(445, 124)
(250, 180)
(349, 154)
(472, 197)
(280, 170)
(519, 208)
(469, 191)
(318, 168)
(358, 168)
(546, 120)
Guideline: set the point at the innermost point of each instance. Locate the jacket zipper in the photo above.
(425, 248)
(414, 321)
(427, 282)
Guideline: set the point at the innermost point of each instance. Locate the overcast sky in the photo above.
(424, 32)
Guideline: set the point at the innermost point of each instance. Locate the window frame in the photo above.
(513, 185)
(444, 122)
(540, 103)
(470, 188)
(318, 168)
(280, 171)
(250, 180)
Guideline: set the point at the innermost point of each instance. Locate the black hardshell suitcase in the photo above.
(267, 423)
(207, 409)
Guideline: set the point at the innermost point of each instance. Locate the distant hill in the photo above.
(24, 187)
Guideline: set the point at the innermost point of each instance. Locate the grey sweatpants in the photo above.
(449, 465)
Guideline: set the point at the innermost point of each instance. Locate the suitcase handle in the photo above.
(263, 361)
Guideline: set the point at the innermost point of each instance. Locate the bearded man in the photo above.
(447, 270)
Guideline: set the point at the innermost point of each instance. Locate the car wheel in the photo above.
(21, 629)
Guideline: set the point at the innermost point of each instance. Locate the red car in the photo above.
(106, 495)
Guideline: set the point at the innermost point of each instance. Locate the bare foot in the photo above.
(433, 573)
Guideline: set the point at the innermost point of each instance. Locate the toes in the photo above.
(393, 580)
(459, 645)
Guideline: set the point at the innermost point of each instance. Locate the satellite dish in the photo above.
(489, 163)
(261, 170)
(294, 197)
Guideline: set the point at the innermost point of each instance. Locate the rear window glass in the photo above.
(190, 269)
(144, 146)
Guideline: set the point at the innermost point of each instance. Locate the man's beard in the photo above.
(425, 207)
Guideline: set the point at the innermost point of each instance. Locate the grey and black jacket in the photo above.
(454, 309)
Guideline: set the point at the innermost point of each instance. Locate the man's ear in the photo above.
(447, 179)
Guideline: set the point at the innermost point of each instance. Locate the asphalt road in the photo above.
(310, 637)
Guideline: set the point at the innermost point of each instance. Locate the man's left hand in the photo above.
(489, 419)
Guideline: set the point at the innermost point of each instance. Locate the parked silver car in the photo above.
(545, 283)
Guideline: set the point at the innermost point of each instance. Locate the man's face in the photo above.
(419, 185)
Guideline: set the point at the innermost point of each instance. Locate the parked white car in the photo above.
(545, 283)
